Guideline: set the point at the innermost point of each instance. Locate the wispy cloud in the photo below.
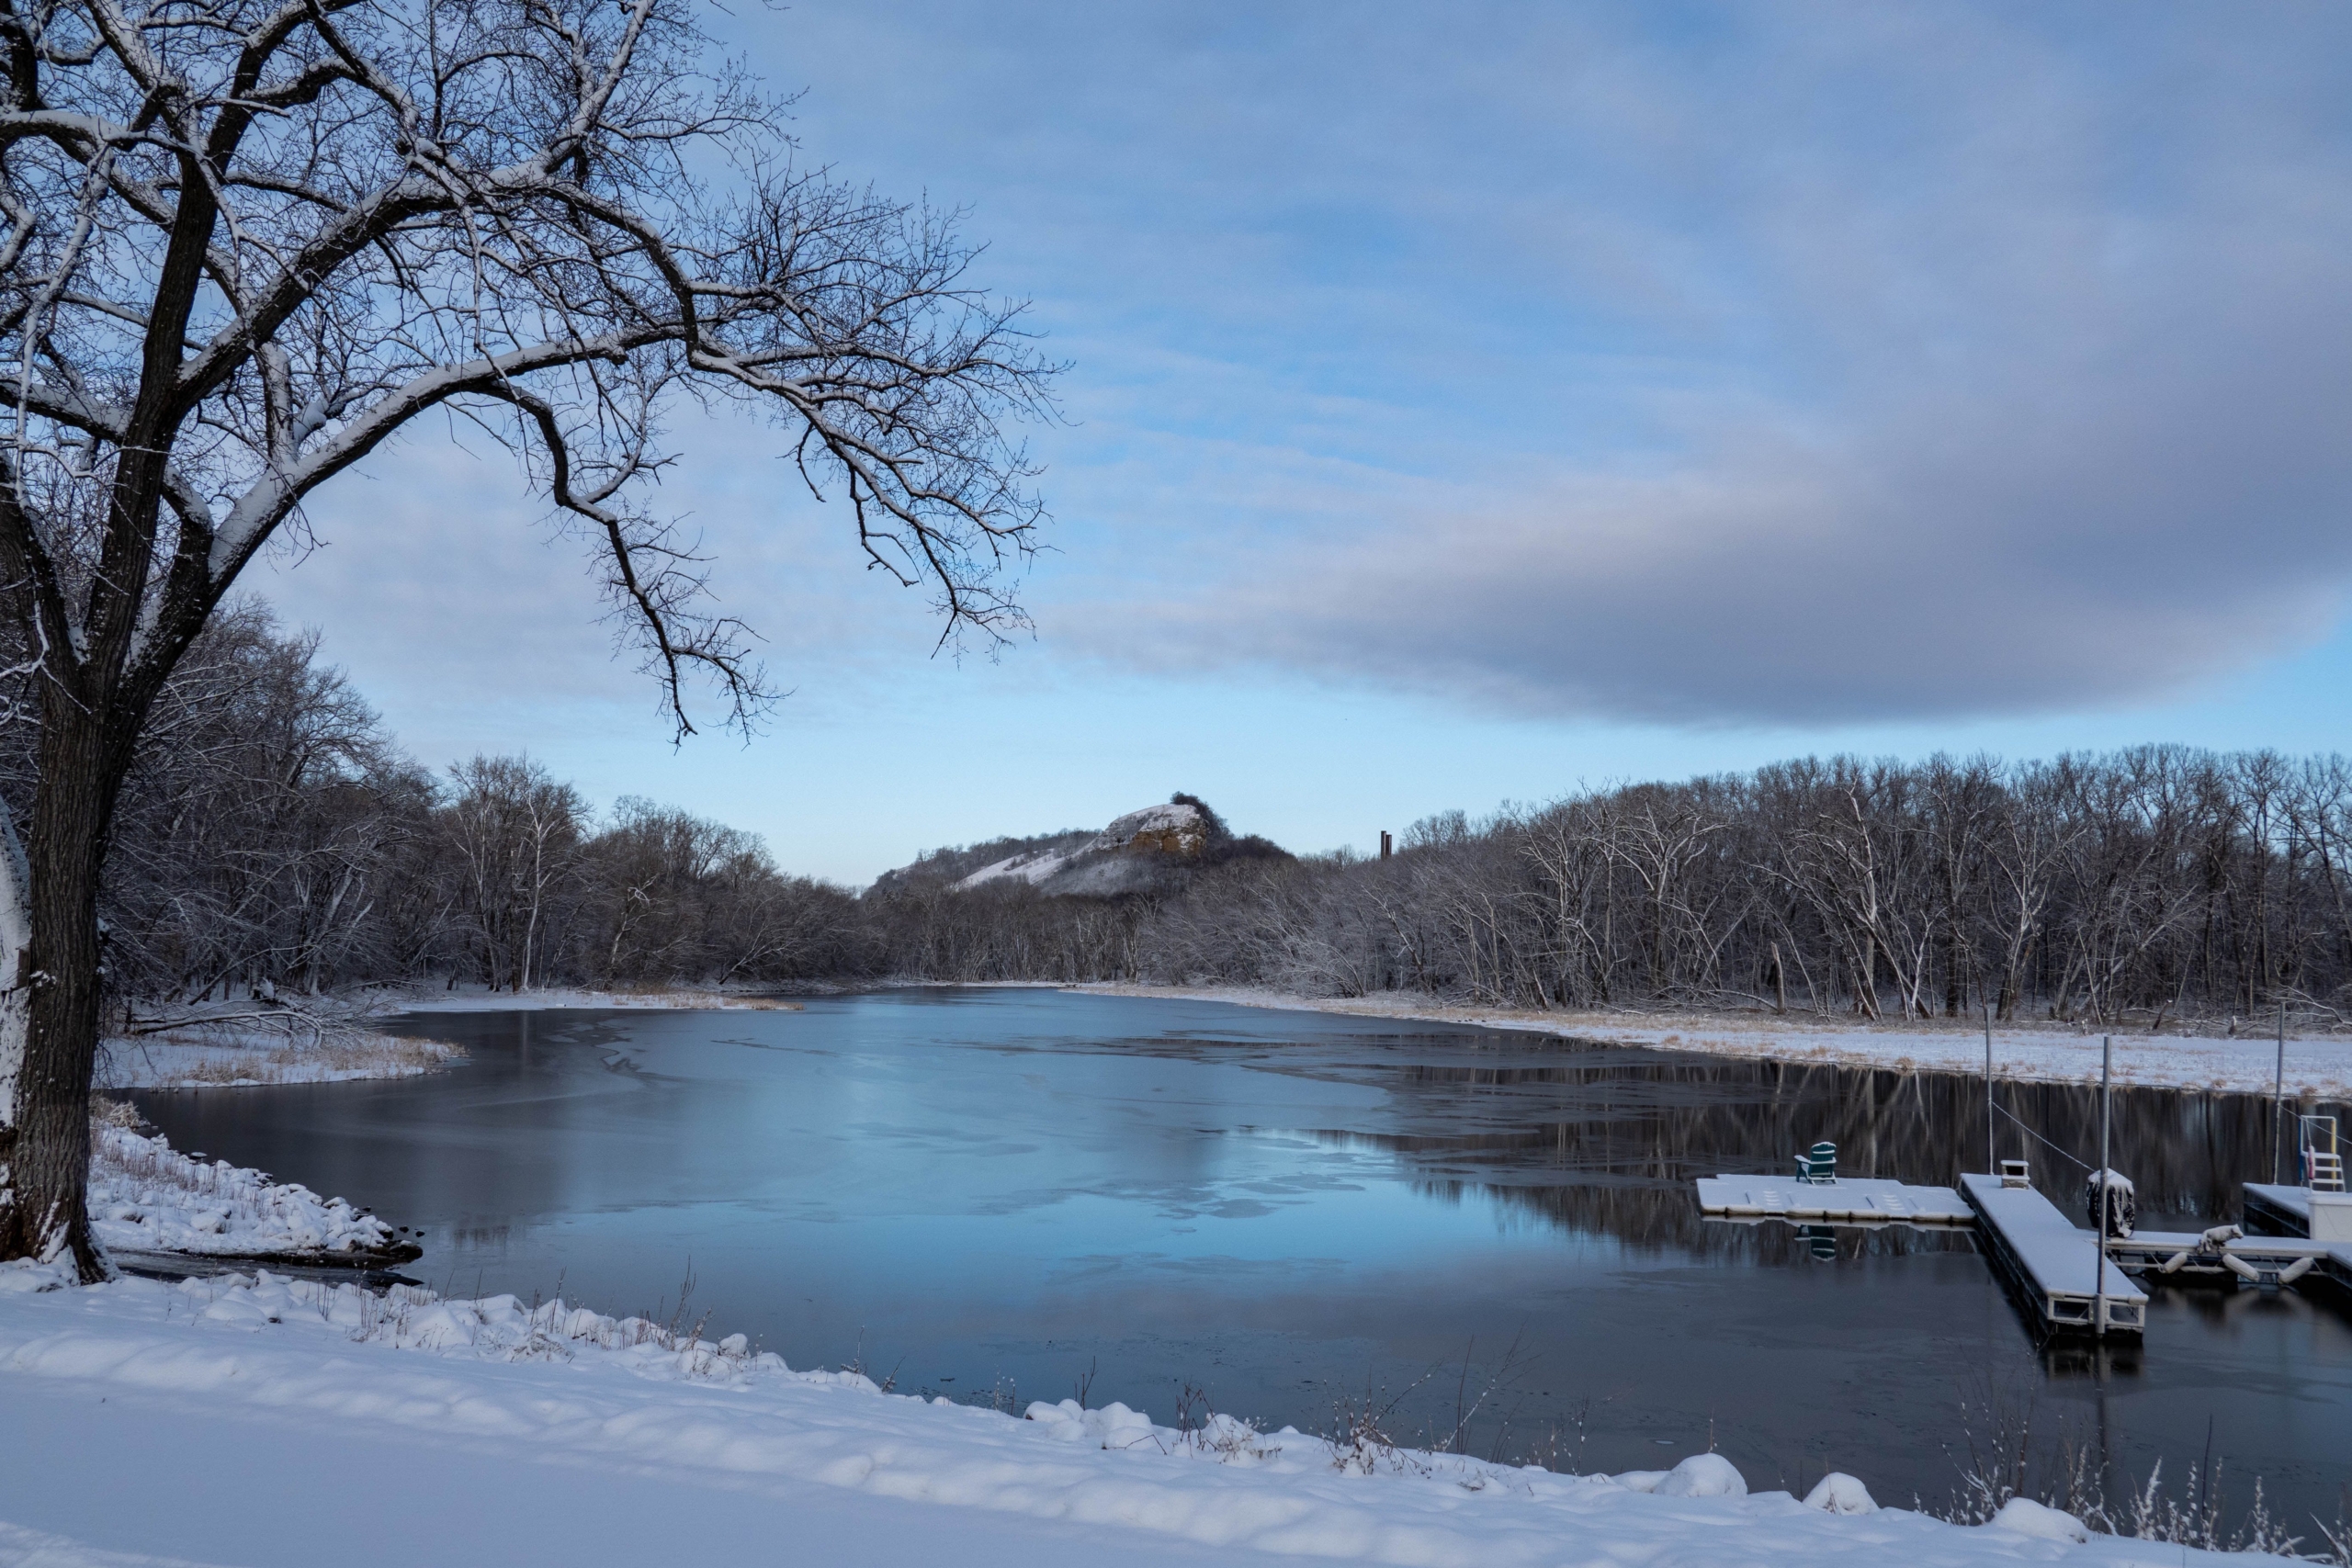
(1741, 363)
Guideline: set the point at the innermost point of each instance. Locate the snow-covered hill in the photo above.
(1152, 848)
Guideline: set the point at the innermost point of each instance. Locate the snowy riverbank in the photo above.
(2317, 1067)
(147, 1198)
(404, 1429)
(478, 999)
(329, 1039)
(227, 1055)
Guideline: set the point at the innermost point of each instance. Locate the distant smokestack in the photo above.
(1386, 843)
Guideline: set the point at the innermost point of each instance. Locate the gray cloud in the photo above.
(1733, 364)
(1994, 372)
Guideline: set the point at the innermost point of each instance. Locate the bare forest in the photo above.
(2132, 888)
(273, 836)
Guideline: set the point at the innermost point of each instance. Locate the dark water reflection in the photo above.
(991, 1191)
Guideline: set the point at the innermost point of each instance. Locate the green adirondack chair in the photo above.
(1819, 1167)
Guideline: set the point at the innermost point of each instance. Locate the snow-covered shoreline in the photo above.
(148, 1199)
(261, 1361)
(328, 1039)
(2317, 1067)
(477, 999)
(207, 1056)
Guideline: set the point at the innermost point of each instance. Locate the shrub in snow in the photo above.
(2026, 1518)
(1701, 1475)
(1841, 1494)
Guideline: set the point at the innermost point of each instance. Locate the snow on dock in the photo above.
(2044, 1253)
(1846, 1200)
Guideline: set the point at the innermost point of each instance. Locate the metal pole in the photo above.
(2279, 1094)
(2106, 1102)
(1992, 1164)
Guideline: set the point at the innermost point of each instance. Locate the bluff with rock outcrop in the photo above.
(1153, 850)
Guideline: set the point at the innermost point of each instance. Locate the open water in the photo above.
(1010, 1194)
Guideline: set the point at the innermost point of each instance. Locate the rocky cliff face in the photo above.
(1144, 851)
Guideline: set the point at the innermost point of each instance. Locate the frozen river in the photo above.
(1001, 1194)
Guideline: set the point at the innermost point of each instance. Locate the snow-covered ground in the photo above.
(2316, 1066)
(328, 1039)
(147, 1197)
(268, 1421)
(229, 1056)
(477, 999)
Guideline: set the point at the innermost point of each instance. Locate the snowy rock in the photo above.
(1702, 1475)
(2024, 1516)
(1155, 848)
(1640, 1479)
(1841, 1494)
(1177, 829)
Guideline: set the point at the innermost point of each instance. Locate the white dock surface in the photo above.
(2049, 1247)
(1850, 1199)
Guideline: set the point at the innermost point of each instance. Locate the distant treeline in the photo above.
(2130, 886)
(272, 832)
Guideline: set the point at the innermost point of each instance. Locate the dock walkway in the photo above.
(2045, 1256)
(1846, 1200)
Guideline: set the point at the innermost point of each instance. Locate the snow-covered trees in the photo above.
(2130, 886)
(271, 839)
(244, 243)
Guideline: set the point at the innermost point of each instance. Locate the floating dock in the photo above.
(2044, 1254)
(2290, 1211)
(2257, 1259)
(1854, 1200)
(2322, 1222)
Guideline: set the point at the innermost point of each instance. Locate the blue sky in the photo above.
(1469, 403)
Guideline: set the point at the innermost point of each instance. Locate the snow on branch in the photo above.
(248, 243)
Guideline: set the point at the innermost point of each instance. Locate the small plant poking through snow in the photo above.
(2005, 1466)
(1360, 1439)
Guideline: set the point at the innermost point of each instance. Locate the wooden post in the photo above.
(2099, 1222)
(1992, 1164)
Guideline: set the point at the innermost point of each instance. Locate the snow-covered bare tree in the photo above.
(244, 243)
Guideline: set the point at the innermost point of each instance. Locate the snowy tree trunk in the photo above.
(82, 760)
(15, 955)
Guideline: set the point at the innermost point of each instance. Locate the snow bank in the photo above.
(2316, 1067)
(200, 1056)
(1032, 866)
(146, 1196)
(478, 999)
(559, 1385)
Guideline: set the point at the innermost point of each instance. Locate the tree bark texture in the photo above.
(42, 1212)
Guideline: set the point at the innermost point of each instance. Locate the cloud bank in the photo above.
(1727, 363)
